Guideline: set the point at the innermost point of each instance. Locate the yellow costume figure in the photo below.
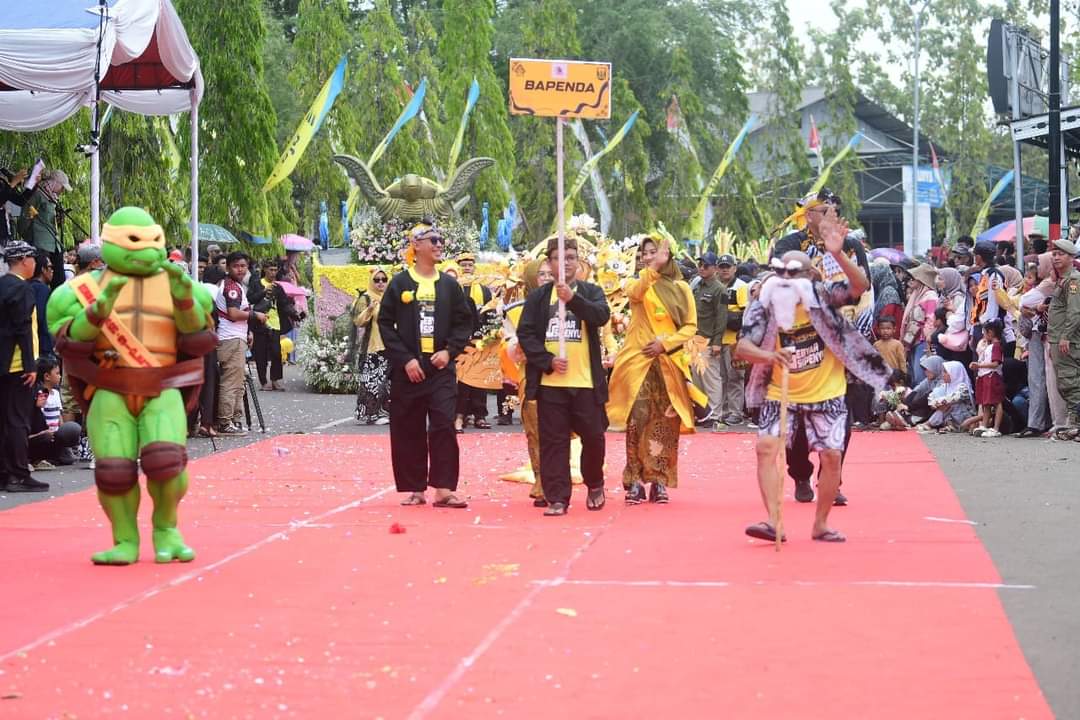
(650, 390)
(513, 363)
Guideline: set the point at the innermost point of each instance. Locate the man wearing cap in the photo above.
(985, 306)
(18, 368)
(710, 296)
(11, 191)
(732, 374)
(812, 213)
(472, 400)
(37, 223)
(1063, 330)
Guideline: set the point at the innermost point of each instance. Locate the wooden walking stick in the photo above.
(781, 470)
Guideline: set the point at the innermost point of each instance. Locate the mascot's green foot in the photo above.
(124, 553)
(169, 545)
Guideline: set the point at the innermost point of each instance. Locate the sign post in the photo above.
(561, 89)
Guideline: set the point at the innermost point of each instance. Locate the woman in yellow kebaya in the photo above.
(650, 389)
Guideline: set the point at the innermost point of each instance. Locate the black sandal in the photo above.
(481, 424)
(415, 499)
(450, 501)
(596, 499)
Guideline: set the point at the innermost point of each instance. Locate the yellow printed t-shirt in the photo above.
(425, 299)
(273, 321)
(816, 374)
(742, 300)
(579, 372)
(17, 358)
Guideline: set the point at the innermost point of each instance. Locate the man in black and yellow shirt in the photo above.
(570, 391)
(472, 401)
(18, 368)
(425, 323)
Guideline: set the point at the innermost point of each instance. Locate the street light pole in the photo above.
(912, 244)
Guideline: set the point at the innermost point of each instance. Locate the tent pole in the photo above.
(194, 186)
(95, 193)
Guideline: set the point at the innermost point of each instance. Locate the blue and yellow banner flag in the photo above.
(697, 219)
(588, 165)
(984, 211)
(455, 150)
(410, 111)
(310, 125)
(824, 176)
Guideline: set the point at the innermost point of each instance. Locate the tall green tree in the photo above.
(778, 73)
(238, 125)
(323, 37)
(626, 169)
(549, 31)
(421, 63)
(377, 90)
(682, 175)
(465, 52)
(141, 166)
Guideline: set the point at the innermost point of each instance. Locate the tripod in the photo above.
(251, 391)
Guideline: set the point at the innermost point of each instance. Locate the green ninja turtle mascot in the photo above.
(131, 337)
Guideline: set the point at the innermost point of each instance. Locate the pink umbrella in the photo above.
(294, 291)
(297, 243)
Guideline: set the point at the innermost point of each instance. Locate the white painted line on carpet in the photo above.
(431, 702)
(706, 584)
(190, 575)
(333, 423)
(949, 520)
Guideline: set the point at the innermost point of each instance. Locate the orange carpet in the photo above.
(302, 603)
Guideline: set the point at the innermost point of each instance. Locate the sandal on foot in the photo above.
(764, 531)
(481, 424)
(450, 501)
(415, 499)
(540, 502)
(830, 536)
(596, 499)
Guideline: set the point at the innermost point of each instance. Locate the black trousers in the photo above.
(471, 401)
(16, 404)
(799, 465)
(267, 350)
(562, 411)
(423, 443)
(56, 259)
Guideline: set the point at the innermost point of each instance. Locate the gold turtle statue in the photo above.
(413, 197)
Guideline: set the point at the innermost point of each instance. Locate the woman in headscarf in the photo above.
(918, 323)
(536, 273)
(951, 401)
(650, 386)
(373, 395)
(952, 342)
(915, 410)
(887, 300)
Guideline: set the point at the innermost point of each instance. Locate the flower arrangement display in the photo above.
(324, 358)
(383, 243)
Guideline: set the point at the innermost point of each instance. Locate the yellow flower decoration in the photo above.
(407, 297)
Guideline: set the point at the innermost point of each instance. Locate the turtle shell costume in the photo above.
(132, 337)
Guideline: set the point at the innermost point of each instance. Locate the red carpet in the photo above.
(302, 604)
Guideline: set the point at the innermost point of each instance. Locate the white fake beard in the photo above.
(782, 295)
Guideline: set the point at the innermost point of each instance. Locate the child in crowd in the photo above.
(891, 349)
(950, 399)
(990, 383)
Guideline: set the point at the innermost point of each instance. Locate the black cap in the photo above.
(727, 259)
(17, 250)
(709, 260)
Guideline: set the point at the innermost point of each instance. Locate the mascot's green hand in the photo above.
(179, 281)
(103, 306)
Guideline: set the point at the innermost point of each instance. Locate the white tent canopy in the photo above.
(61, 55)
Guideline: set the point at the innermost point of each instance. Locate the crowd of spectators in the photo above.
(41, 423)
